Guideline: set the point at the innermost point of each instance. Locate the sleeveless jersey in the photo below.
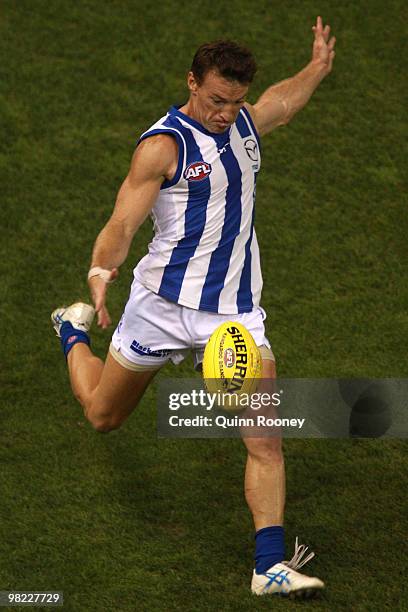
(204, 253)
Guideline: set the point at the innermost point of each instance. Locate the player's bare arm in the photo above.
(154, 160)
(280, 102)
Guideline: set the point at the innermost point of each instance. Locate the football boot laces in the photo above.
(297, 560)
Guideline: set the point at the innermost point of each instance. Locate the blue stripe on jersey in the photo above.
(251, 123)
(244, 295)
(242, 125)
(220, 258)
(194, 223)
(181, 151)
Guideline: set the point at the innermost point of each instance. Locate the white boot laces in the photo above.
(296, 562)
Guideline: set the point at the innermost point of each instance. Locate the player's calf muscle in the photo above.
(107, 392)
(103, 416)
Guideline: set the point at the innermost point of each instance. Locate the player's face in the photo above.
(216, 102)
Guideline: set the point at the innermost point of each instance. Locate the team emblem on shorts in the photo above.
(197, 171)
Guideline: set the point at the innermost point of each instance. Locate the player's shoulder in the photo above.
(157, 144)
(157, 152)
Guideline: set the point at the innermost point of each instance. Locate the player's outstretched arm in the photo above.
(154, 160)
(280, 102)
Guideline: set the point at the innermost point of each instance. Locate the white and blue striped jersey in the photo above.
(204, 253)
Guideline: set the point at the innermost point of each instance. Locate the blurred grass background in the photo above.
(126, 521)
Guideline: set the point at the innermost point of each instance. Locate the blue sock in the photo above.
(269, 547)
(71, 336)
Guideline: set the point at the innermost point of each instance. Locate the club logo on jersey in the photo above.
(229, 357)
(197, 171)
(251, 147)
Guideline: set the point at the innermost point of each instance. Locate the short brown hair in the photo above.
(231, 60)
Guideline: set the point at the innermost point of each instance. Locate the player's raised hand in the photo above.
(98, 284)
(323, 45)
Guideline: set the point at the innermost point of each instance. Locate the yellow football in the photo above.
(232, 362)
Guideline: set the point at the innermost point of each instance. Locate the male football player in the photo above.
(195, 171)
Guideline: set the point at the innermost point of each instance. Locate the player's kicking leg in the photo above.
(107, 391)
(265, 495)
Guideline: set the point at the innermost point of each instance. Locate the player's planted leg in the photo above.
(265, 495)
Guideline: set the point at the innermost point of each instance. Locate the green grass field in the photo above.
(127, 522)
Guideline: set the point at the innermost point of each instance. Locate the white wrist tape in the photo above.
(101, 272)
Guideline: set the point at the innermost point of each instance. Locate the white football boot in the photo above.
(80, 316)
(283, 579)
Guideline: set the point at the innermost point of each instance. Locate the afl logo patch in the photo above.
(197, 171)
(229, 357)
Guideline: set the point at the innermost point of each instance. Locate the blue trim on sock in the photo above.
(269, 547)
(70, 336)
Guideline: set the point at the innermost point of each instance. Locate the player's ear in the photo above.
(192, 83)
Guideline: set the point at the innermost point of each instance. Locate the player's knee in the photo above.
(104, 425)
(101, 420)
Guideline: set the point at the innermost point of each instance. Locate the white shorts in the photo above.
(154, 330)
